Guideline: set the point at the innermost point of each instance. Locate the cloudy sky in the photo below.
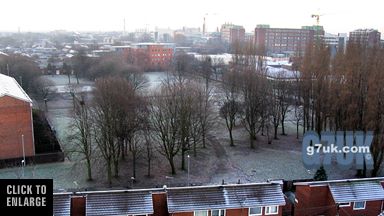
(105, 15)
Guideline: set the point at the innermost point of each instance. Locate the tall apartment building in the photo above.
(232, 33)
(286, 41)
(365, 37)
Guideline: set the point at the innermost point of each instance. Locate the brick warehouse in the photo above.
(16, 123)
(150, 56)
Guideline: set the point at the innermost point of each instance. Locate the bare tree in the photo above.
(114, 100)
(42, 87)
(163, 115)
(82, 134)
(231, 109)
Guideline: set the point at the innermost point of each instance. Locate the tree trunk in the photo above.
(116, 167)
(297, 129)
(122, 144)
(148, 160)
(252, 140)
(203, 134)
(172, 164)
(109, 172)
(231, 137)
(89, 169)
(275, 134)
(134, 164)
(183, 158)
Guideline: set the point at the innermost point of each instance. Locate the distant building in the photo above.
(365, 37)
(16, 123)
(286, 41)
(232, 33)
(335, 42)
(151, 56)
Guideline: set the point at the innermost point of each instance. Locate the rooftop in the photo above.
(224, 196)
(10, 87)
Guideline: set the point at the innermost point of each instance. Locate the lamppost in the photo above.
(23, 161)
(132, 180)
(188, 170)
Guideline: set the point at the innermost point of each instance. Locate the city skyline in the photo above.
(87, 15)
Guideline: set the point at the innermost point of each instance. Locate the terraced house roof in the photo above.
(343, 192)
(119, 202)
(224, 197)
(61, 204)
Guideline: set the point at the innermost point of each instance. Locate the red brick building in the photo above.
(232, 33)
(16, 123)
(340, 197)
(151, 56)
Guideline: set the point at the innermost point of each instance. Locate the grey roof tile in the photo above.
(224, 197)
(61, 204)
(119, 203)
(356, 191)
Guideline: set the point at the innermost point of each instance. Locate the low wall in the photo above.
(37, 159)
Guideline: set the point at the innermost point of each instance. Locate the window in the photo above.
(201, 213)
(271, 210)
(344, 204)
(358, 205)
(255, 211)
(220, 212)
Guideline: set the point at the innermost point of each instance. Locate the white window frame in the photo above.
(261, 211)
(269, 207)
(220, 210)
(354, 208)
(346, 204)
(194, 213)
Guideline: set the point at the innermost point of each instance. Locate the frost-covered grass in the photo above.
(219, 161)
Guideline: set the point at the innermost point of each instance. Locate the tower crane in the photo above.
(317, 16)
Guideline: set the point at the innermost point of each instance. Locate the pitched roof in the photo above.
(119, 202)
(10, 87)
(61, 204)
(224, 197)
(356, 191)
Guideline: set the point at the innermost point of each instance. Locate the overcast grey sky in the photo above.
(106, 15)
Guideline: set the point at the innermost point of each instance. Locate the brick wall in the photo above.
(15, 120)
(313, 201)
(231, 212)
(372, 208)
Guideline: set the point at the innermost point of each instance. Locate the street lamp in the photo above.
(188, 169)
(23, 161)
(132, 180)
